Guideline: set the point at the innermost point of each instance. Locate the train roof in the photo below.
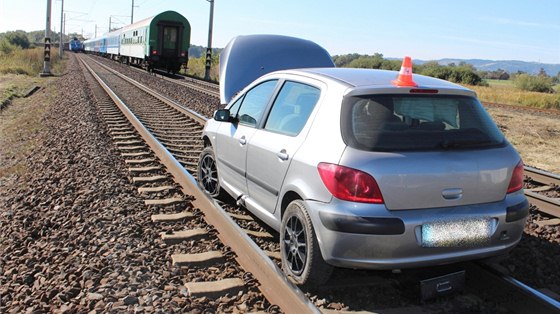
(166, 15)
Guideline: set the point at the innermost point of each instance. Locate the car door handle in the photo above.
(283, 155)
(243, 140)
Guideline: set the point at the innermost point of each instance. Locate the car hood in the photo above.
(246, 58)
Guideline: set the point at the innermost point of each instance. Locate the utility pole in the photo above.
(60, 51)
(109, 23)
(132, 13)
(209, 48)
(47, 51)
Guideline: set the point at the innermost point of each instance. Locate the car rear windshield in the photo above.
(396, 122)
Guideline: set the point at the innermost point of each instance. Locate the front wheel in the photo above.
(301, 256)
(207, 173)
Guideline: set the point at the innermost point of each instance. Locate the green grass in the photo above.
(197, 68)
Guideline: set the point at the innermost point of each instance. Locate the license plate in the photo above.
(458, 233)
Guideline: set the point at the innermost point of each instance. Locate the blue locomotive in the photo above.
(76, 45)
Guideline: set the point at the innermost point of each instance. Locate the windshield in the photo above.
(417, 122)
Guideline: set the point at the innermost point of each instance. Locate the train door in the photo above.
(170, 41)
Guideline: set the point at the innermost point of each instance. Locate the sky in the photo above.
(525, 30)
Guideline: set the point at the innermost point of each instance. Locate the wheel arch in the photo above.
(286, 200)
(206, 140)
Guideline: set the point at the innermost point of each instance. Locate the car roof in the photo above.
(353, 77)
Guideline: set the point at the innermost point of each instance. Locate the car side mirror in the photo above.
(222, 115)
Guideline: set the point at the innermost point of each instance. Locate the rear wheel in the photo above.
(207, 173)
(301, 256)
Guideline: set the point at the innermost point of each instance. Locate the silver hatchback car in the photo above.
(359, 168)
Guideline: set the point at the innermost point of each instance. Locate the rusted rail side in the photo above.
(545, 204)
(541, 176)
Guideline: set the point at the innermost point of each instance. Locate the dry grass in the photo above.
(503, 92)
(16, 85)
(28, 62)
(536, 137)
(21, 121)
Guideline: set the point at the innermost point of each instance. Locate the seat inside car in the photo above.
(294, 122)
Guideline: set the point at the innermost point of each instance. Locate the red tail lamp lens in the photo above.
(154, 52)
(350, 184)
(516, 182)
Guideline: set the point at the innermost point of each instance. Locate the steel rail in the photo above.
(275, 286)
(541, 176)
(195, 115)
(545, 204)
(190, 83)
(522, 298)
(184, 82)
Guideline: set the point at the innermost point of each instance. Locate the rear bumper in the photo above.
(369, 236)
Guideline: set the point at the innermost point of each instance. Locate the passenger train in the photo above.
(158, 42)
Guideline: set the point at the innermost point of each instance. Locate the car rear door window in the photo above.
(254, 103)
(417, 122)
(292, 108)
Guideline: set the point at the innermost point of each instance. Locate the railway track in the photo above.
(207, 88)
(346, 285)
(157, 171)
(546, 193)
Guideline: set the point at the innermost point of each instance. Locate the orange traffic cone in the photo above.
(405, 75)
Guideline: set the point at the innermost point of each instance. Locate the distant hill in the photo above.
(511, 66)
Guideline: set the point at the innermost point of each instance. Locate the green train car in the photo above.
(160, 42)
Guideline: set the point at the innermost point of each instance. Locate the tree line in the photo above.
(19, 39)
(461, 73)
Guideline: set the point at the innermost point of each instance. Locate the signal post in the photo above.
(47, 51)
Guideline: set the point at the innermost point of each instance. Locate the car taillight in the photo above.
(516, 182)
(350, 184)
(154, 52)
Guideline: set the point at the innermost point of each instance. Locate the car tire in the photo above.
(207, 173)
(301, 256)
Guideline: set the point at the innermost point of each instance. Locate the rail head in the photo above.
(542, 176)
